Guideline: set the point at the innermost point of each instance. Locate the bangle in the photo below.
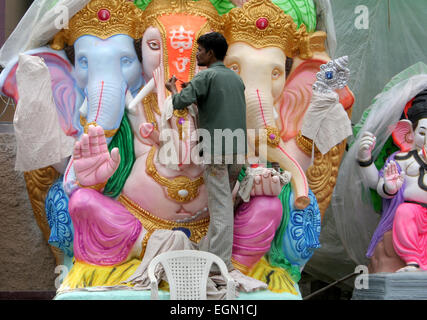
(388, 194)
(365, 163)
(97, 187)
(304, 143)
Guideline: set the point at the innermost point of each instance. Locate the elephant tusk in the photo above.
(278, 154)
(275, 114)
(84, 109)
(299, 179)
(141, 95)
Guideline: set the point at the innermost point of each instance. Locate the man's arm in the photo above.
(191, 92)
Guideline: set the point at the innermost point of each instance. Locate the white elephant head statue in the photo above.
(278, 55)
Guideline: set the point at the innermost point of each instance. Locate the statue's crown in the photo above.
(203, 8)
(263, 24)
(103, 19)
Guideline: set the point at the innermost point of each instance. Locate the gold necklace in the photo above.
(85, 125)
(195, 230)
(150, 107)
(181, 188)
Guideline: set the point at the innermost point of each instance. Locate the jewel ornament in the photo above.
(104, 15)
(183, 193)
(262, 23)
(273, 136)
(332, 76)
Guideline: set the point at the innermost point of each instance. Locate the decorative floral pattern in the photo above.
(59, 220)
(302, 233)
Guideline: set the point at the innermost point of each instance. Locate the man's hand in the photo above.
(171, 85)
(93, 164)
(184, 84)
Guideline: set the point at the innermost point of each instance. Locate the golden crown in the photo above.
(263, 24)
(203, 8)
(103, 19)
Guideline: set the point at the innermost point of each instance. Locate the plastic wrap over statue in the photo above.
(273, 237)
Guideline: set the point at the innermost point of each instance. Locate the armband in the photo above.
(388, 194)
(365, 163)
(97, 187)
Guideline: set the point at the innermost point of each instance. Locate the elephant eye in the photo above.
(83, 63)
(235, 68)
(276, 74)
(154, 45)
(127, 61)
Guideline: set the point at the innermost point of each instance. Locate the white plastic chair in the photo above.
(187, 272)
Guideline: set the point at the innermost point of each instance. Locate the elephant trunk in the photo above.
(260, 116)
(106, 101)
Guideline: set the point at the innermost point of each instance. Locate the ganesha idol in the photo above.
(118, 188)
(382, 184)
(399, 242)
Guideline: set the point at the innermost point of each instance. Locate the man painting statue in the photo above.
(219, 95)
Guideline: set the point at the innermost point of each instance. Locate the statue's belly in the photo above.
(413, 192)
(154, 197)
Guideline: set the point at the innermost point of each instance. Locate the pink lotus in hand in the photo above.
(93, 163)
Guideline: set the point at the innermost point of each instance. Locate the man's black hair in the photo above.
(216, 42)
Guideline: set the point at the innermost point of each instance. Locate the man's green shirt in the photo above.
(220, 97)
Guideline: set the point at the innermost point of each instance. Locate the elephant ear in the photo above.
(63, 85)
(403, 135)
(297, 97)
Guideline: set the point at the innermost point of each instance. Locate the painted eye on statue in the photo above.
(126, 61)
(421, 130)
(154, 44)
(83, 62)
(275, 74)
(235, 67)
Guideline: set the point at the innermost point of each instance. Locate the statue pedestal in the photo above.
(163, 295)
(394, 286)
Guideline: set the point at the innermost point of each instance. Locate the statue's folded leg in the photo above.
(410, 233)
(105, 231)
(255, 224)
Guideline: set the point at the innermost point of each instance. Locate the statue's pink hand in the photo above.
(266, 185)
(393, 181)
(93, 163)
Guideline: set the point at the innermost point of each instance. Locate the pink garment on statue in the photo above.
(104, 230)
(255, 225)
(410, 233)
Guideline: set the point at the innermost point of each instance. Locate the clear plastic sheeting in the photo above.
(41, 22)
(325, 22)
(382, 38)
